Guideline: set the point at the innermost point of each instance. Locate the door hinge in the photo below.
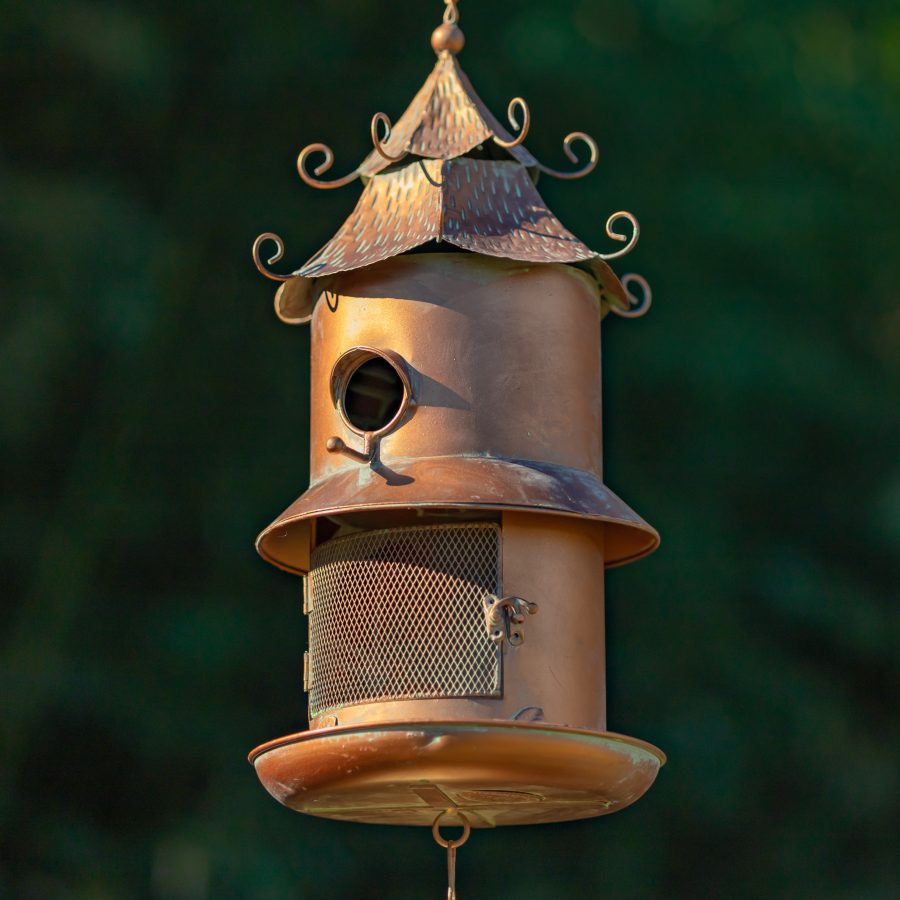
(307, 595)
(504, 618)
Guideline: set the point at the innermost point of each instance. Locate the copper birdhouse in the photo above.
(453, 538)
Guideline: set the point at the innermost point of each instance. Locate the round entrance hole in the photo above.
(373, 395)
(371, 389)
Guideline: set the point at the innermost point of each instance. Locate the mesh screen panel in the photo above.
(397, 614)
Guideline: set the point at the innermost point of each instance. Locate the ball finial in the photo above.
(448, 37)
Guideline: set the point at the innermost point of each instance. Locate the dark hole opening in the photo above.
(373, 395)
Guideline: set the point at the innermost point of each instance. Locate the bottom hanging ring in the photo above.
(443, 842)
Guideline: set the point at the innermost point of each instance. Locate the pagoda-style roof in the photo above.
(486, 207)
(448, 171)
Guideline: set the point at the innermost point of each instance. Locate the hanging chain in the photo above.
(451, 13)
(451, 846)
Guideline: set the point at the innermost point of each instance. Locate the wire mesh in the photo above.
(398, 614)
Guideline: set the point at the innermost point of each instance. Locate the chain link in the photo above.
(451, 13)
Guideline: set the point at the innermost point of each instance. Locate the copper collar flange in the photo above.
(459, 482)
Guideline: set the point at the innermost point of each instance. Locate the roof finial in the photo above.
(448, 38)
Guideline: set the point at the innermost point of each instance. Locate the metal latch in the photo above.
(307, 673)
(504, 618)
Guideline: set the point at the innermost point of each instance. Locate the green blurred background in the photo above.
(154, 418)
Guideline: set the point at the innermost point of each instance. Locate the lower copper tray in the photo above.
(498, 773)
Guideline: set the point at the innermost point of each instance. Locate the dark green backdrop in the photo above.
(154, 417)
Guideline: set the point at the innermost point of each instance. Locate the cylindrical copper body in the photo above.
(456, 528)
(502, 361)
(504, 358)
(557, 674)
(483, 488)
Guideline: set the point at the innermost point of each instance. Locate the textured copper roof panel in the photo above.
(396, 212)
(483, 206)
(495, 209)
(445, 119)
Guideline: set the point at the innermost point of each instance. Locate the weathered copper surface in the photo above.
(445, 119)
(495, 773)
(504, 363)
(483, 206)
(396, 212)
(557, 675)
(503, 359)
(470, 500)
(461, 482)
(296, 298)
(424, 186)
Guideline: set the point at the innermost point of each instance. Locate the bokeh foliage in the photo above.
(154, 418)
